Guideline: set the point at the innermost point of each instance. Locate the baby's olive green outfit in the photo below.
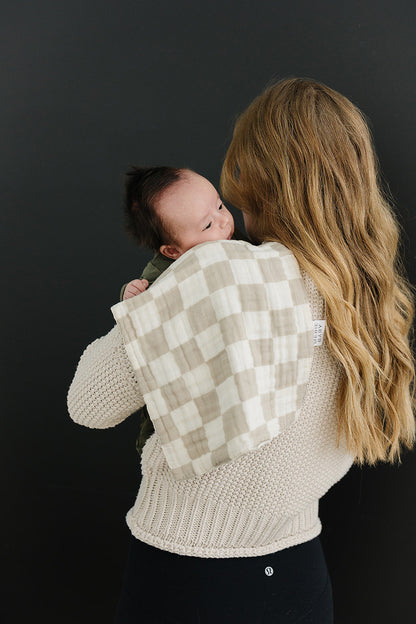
(151, 272)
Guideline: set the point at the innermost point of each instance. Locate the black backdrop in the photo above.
(88, 88)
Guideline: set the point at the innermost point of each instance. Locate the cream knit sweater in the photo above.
(259, 503)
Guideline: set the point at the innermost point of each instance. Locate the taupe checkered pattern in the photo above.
(222, 347)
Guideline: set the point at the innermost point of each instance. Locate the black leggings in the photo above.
(291, 585)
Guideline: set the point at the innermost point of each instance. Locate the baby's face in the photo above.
(193, 211)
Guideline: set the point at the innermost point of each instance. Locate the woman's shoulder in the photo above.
(233, 261)
(212, 251)
(269, 261)
(228, 265)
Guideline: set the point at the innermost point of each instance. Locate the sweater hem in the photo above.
(223, 552)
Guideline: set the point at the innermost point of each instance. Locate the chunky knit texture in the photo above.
(261, 502)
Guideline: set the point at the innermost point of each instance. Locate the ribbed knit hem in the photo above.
(213, 529)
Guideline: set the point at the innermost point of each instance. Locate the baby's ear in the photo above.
(170, 252)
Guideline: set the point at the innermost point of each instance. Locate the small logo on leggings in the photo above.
(268, 570)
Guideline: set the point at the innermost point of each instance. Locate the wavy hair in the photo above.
(302, 165)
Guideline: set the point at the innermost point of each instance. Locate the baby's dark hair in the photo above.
(143, 185)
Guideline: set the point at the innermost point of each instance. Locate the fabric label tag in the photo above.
(318, 332)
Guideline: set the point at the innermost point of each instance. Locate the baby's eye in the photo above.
(209, 224)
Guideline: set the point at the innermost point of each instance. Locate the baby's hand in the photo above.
(135, 287)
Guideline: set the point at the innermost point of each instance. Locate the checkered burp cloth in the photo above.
(222, 347)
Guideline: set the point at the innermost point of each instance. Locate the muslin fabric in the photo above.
(222, 348)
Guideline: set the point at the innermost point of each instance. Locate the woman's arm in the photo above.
(104, 390)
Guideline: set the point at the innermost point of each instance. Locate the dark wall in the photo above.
(88, 88)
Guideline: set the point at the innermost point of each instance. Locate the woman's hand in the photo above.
(134, 288)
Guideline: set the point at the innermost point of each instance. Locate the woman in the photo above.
(233, 533)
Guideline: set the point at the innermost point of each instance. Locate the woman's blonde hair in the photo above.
(301, 163)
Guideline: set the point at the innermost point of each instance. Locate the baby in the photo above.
(171, 210)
